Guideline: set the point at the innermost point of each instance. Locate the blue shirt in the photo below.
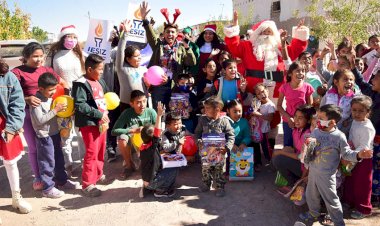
(242, 132)
(229, 90)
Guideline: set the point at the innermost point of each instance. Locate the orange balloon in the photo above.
(59, 92)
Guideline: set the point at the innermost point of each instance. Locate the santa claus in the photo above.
(261, 54)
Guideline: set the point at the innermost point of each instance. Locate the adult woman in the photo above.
(210, 45)
(33, 57)
(66, 58)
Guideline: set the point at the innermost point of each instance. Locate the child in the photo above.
(155, 178)
(231, 85)
(174, 137)
(331, 145)
(297, 93)
(12, 115)
(205, 85)
(287, 161)
(212, 122)
(130, 122)
(341, 95)
(264, 115)
(358, 186)
(372, 90)
(359, 64)
(91, 117)
(184, 87)
(49, 151)
(240, 126)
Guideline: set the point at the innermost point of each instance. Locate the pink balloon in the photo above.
(154, 75)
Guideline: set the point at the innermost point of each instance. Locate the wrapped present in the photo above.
(241, 165)
(213, 146)
(173, 160)
(179, 103)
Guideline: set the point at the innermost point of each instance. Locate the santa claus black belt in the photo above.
(277, 76)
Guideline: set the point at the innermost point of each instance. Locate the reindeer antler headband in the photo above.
(165, 12)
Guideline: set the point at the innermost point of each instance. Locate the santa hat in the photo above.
(68, 30)
(210, 27)
(258, 28)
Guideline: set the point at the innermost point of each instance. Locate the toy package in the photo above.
(173, 160)
(212, 147)
(179, 103)
(241, 165)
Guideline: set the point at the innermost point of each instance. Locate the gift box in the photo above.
(241, 165)
(179, 103)
(173, 160)
(213, 146)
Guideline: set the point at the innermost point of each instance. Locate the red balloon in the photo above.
(59, 92)
(189, 147)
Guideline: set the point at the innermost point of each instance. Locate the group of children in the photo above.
(328, 127)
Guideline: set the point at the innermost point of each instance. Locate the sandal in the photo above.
(308, 217)
(327, 220)
(358, 215)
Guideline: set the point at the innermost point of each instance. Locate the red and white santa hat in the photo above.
(210, 27)
(261, 26)
(70, 29)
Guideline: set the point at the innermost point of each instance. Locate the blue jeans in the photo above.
(164, 180)
(50, 161)
(288, 137)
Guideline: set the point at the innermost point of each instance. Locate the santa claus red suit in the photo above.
(261, 54)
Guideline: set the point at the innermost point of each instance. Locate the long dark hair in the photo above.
(308, 112)
(57, 46)
(294, 66)
(215, 43)
(29, 50)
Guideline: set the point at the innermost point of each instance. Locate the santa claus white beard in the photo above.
(266, 48)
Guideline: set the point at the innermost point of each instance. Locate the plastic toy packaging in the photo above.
(173, 160)
(179, 103)
(212, 149)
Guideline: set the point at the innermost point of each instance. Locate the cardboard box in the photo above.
(173, 160)
(242, 165)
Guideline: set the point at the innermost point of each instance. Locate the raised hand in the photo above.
(144, 9)
(215, 52)
(301, 23)
(235, 20)
(330, 43)
(160, 109)
(284, 36)
(126, 25)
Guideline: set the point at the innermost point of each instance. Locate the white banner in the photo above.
(97, 40)
(137, 33)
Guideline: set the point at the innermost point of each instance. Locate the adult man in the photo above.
(261, 54)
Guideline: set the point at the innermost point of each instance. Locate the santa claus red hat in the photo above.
(210, 27)
(68, 30)
(261, 26)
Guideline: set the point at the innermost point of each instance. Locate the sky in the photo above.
(52, 15)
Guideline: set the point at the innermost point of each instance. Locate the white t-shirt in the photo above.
(266, 109)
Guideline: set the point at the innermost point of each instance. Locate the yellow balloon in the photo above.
(136, 140)
(69, 101)
(112, 100)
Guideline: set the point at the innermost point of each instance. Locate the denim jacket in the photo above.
(12, 103)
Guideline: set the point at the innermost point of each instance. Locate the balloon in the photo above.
(59, 92)
(136, 140)
(69, 101)
(154, 75)
(189, 147)
(112, 100)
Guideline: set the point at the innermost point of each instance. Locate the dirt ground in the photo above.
(246, 203)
